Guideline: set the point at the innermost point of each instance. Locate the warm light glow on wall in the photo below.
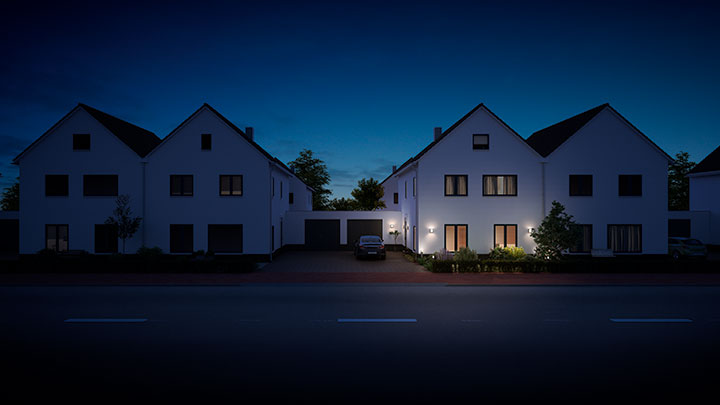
(431, 230)
(392, 226)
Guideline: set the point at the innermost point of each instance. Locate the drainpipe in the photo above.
(270, 187)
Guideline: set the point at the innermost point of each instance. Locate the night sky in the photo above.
(362, 84)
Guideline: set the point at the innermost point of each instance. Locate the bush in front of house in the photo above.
(507, 253)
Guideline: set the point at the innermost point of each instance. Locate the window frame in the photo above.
(455, 236)
(231, 176)
(115, 245)
(579, 189)
(620, 185)
(192, 238)
(640, 250)
(455, 178)
(67, 185)
(211, 227)
(67, 227)
(583, 226)
(505, 234)
(485, 194)
(182, 185)
(77, 141)
(396, 198)
(117, 185)
(481, 146)
(205, 140)
(291, 198)
(414, 186)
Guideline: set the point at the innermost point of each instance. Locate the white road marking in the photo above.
(376, 320)
(651, 320)
(105, 320)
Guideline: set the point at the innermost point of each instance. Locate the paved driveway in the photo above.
(339, 262)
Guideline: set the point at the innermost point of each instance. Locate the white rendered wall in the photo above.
(605, 148)
(55, 155)
(705, 196)
(389, 188)
(508, 154)
(231, 154)
(296, 223)
(699, 223)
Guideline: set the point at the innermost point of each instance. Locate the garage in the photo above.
(359, 227)
(322, 234)
(9, 235)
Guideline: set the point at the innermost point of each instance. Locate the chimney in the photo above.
(249, 133)
(394, 168)
(437, 132)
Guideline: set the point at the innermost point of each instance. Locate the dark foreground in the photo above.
(263, 342)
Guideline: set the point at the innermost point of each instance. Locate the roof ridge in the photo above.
(546, 140)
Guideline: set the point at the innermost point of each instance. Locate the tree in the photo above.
(123, 219)
(344, 204)
(678, 184)
(368, 195)
(11, 198)
(555, 233)
(313, 172)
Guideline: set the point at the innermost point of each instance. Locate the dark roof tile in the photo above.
(545, 141)
(711, 163)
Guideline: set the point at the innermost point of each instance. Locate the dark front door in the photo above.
(322, 234)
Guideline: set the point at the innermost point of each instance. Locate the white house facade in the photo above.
(705, 198)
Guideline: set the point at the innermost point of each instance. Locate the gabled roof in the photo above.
(140, 140)
(545, 141)
(239, 132)
(449, 130)
(711, 163)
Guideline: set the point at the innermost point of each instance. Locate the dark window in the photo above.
(56, 184)
(630, 185)
(679, 228)
(291, 198)
(206, 141)
(106, 238)
(500, 185)
(225, 238)
(456, 237)
(624, 238)
(414, 238)
(100, 185)
(456, 185)
(505, 235)
(584, 242)
(395, 198)
(81, 141)
(481, 141)
(231, 184)
(581, 185)
(181, 184)
(56, 238)
(181, 238)
(414, 183)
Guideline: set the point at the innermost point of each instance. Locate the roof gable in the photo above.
(545, 141)
(140, 140)
(711, 163)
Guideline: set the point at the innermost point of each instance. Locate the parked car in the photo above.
(686, 247)
(369, 246)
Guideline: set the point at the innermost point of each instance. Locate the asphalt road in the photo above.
(305, 343)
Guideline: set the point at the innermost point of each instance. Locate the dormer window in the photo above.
(481, 141)
(206, 141)
(81, 141)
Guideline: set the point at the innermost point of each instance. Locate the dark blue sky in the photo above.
(362, 84)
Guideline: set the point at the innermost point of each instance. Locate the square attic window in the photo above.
(481, 141)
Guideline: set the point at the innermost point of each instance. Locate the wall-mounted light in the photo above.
(530, 230)
(392, 226)
(431, 230)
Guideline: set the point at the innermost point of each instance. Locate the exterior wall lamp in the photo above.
(431, 230)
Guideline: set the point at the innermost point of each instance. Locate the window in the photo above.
(181, 184)
(481, 141)
(56, 185)
(581, 185)
(414, 184)
(584, 243)
(291, 198)
(505, 235)
(624, 238)
(181, 238)
(455, 237)
(225, 238)
(231, 184)
(81, 141)
(500, 185)
(56, 238)
(106, 238)
(414, 238)
(205, 141)
(395, 198)
(456, 185)
(100, 185)
(630, 185)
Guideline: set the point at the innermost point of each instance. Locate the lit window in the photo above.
(456, 185)
(231, 185)
(505, 236)
(455, 237)
(500, 185)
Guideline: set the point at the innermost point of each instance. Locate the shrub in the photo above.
(465, 255)
(442, 254)
(145, 251)
(443, 266)
(508, 253)
(46, 252)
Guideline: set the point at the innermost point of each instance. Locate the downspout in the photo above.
(143, 192)
(270, 190)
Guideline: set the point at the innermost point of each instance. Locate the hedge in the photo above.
(585, 265)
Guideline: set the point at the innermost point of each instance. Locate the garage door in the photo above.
(359, 227)
(322, 234)
(679, 228)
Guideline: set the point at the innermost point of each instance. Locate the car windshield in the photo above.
(370, 239)
(692, 242)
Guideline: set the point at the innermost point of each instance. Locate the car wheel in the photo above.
(675, 254)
